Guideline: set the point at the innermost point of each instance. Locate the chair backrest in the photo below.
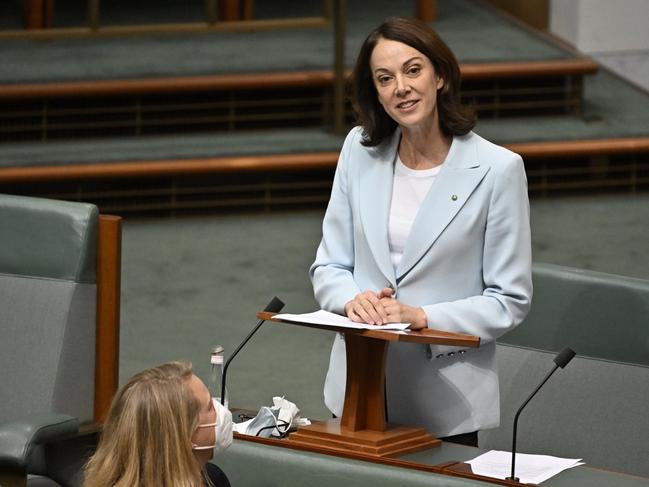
(603, 316)
(48, 308)
(275, 466)
(596, 408)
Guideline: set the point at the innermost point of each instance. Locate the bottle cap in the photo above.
(217, 355)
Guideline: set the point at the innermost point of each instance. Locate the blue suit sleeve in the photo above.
(332, 272)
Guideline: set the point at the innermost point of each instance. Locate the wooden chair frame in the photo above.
(109, 257)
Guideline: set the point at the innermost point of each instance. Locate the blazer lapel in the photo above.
(376, 179)
(458, 178)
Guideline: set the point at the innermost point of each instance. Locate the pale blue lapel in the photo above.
(376, 176)
(458, 178)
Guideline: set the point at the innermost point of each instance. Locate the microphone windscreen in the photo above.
(564, 356)
(275, 305)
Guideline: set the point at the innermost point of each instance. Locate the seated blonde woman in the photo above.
(162, 429)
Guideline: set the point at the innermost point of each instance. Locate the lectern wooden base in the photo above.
(363, 427)
(397, 440)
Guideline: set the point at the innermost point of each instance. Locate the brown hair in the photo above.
(146, 439)
(454, 118)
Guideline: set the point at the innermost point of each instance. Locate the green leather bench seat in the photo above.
(597, 407)
(249, 464)
(602, 316)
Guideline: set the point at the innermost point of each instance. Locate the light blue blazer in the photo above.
(467, 263)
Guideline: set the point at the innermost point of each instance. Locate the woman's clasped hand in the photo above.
(380, 308)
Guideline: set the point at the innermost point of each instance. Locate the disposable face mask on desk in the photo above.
(275, 421)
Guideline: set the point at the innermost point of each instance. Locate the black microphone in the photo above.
(274, 306)
(561, 360)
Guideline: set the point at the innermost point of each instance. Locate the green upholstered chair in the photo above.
(252, 464)
(597, 407)
(57, 299)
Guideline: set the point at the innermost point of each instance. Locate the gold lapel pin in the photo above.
(454, 197)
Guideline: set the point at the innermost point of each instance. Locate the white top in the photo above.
(409, 189)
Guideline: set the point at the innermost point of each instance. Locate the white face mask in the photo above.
(222, 429)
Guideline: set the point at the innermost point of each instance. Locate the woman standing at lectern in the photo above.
(428, 224)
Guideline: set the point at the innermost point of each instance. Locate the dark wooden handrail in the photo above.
(251, 81)
(289, 162)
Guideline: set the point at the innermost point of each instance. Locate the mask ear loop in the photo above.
(267, 427)
(277, 426)
(285, 425)
(206, 447)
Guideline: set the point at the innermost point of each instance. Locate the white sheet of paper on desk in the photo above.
(529, 468)
(331, 319)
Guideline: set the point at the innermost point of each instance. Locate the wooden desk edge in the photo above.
(426, 336)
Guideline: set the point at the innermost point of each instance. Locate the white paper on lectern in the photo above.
(331, 319)
(532, 469)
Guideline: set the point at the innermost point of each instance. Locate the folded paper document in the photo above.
(530, 469)
(331, 319)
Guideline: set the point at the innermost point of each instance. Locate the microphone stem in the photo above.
(516, 421)
(234, 354)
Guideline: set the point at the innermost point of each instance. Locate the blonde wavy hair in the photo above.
(146, 438)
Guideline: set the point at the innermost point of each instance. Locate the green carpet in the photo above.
(192, 283)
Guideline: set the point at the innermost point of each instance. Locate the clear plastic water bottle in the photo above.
(216, 361)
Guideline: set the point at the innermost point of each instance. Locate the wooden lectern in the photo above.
(363, 427)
